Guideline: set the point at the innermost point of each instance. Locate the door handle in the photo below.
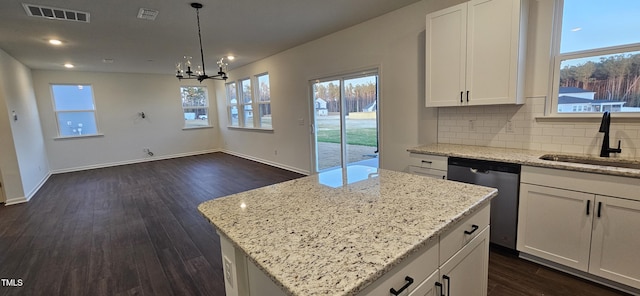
(439, 285)
(588, 206)
(448, 279)
(599, 208)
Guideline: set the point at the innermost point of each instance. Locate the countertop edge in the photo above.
(526, 157)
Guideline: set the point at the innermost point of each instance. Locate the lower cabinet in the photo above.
(579, 225)
(466, 273)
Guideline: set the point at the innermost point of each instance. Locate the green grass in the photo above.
(362, 136)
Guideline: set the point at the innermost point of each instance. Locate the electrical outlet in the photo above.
(228, 270)
(472, 125)
(509, 127)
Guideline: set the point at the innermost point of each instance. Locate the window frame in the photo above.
(207, 107)
(56, 112)
(256, 122)
(557, 58)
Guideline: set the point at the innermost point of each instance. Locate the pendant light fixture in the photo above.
(200, 72)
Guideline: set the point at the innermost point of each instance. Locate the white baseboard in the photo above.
(152, 158)
(15, 200)
(267, 162)
(23, 199)
(37, 188)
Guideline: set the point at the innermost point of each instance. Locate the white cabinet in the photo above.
(433, 166)
(555, 224)
(475, 53)
(570, 219)
(615, 241)
(466, 273)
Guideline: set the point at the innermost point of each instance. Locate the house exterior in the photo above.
(321, 107)
(574, 99)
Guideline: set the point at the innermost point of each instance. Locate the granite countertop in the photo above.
(525, 157)
(336, 233)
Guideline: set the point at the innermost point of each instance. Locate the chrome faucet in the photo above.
(604, 128)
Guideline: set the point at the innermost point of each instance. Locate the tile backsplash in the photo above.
(515, 126)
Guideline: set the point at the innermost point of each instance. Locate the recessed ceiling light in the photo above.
(107, 61)
(231, 58)
(55, 42)
(68, 65)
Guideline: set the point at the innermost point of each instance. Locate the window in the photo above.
(264, 100)
(195, 106)
(75, 110)
(250, 95)
(232, 104)
(597, 57)
(245, 103)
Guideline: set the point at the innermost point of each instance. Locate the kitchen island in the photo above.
(338, 232)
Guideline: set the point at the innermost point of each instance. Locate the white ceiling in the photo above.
(249, 29)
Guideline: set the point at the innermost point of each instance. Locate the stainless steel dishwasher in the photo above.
(504, 207)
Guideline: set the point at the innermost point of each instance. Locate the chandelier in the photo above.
(199, 73)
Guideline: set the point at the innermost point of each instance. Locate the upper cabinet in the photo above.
(475, 53)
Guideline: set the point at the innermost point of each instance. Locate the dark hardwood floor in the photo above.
(135, 230)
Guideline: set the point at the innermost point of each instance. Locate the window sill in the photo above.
(77, 137)
(197, 127)
(589, 117)
(258, 129)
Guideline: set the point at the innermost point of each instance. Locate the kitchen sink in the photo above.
(620, 163)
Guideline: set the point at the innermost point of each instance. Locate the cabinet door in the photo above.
(428, 287)
(493, 51)
(466, 273)
(446, 56)
(615, 242)
(555, 224)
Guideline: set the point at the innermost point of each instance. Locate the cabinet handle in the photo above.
(473, 229)
(461, 96)
(588, 206)
(448, 279)
(599, 208)
(467, 96)
(409, 282)
(439, 285)
(427, 162)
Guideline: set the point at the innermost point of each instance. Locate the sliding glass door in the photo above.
(345, 117)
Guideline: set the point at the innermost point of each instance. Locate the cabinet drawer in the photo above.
(428, 161)
(454, 239)
(433, 173)
(418, 266)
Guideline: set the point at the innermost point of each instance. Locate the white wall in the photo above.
(23, 159)
(119, 97)
(393, 42)
(529, 131)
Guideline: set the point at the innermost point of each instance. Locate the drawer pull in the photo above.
(473, 229)
(409, 282)
(427, 161)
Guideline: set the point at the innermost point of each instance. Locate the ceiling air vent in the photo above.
(147, 14)
(56, 13)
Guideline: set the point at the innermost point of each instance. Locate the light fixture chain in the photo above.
(200, 38)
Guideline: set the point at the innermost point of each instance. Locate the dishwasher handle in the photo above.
(479, 171)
